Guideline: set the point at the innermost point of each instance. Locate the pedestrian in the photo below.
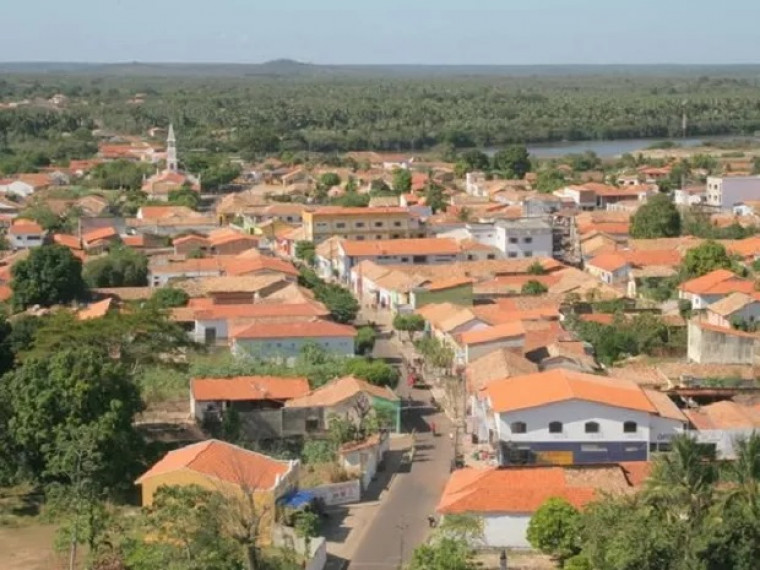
(431, 521)
(432, 427)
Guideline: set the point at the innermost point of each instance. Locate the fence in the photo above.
(285, 537)
(339, 493)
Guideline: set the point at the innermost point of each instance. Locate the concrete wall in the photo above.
(506, 530)
(475, 351)
(22, 241)
(339, 493)
(723, 440)
(726, 192)
(288, 348)
(714, 347)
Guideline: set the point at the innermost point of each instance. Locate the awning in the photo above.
(297, 499)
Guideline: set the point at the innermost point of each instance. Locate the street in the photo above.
(400, 523)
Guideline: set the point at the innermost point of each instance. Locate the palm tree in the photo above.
(745, 473)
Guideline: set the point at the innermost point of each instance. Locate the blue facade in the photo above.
(512, 453)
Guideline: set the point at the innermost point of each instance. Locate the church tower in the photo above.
(171, 150)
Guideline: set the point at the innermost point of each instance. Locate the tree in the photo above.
(549, 179)
(119, 175)
(56, 399)
(402, 180)
(553, 529)
(513, 161)
(444, 554)
(409, 323)
(657, 218)
(377, 372)
(122, 267)
(536, 268)
(49, 276)
(306, 252)
(533, 288)
(475, 160)
(329, 179)
(705, 258)
(185, 196)
(168, 298)
(365, 340)
(464, 527)
(435, 198)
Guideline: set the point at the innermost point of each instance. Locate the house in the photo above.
(361, 223)
(24, 185)
(228, 469)
(457, 290)
(525, 237)
(161, 272)
(689, 195)
(607, 196)
(505, 499)
(362, 458)
(25, 234)
(707, 289)
(495, 365)
(477, 343)
(711, 344)
(396, 251)
(211, 323)
(720, 424)
(735, 309)
(564, 417)
(100, 239)
(609, 268)
(352, 398)
(212, 397)
(725, 192)
(159, 212)
(285, 341)
(541, 205)
(583, 198)
(446, 321)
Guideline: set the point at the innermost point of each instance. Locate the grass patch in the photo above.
(159, 384)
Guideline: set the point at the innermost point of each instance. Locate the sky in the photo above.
(488, 32)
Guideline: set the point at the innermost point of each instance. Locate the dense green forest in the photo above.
(339, 112)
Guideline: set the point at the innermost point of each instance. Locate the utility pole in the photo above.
(402, 528)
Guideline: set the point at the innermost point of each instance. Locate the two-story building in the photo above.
(361, 224)
(25, 234)
(707, 289)
(524, 237)
(564, 417)
(725, 192)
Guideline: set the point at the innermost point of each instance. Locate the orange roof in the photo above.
(256, 263)
(551, 386)
(25, 227)
(100, 233)
(224, 462)
(702, 285)
(704, 325)
(748, 247)
(72, 242)
(644, 258)
(151, 212)
(339, 390)
(95, 310)
(134, 241)
(608, 261)
(447, 283)
(260, 310)
(725, 415)
(421, 246)
(490, 334)
(525, 489)
(311, 329)
(5, 293)
(243, 388)
(189, 238)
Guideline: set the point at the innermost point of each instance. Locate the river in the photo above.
(613, 148)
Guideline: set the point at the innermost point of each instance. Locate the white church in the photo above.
(158, 186)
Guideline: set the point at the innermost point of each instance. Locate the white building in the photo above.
(703, 291)
(26, 233)
(526, 237)
(726, 192)
(564, 417)
(721, 424)
(689, 196)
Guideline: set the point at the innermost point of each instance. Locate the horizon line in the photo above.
(356, 64)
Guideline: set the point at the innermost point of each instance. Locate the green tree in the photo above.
(365, 340)
(49, 276)
(185, 196)
(57, 399)
(409, 323)
(168, 298)
(705, 258)
(553, 529)
(657, 218)
(549, 179)
(475, 160)
(435, 198)
(306, 252)
(402, 180)
(536, 268)
(119, 175)
(513, 161)
(533, 288)
(377, 372)
(122, 267)
(329, 179)
(444, 554)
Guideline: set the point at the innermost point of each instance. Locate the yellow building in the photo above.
(361, 224)
(225, 468)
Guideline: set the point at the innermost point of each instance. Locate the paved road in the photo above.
(400, 522)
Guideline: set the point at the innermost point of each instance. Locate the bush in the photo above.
(365, 340)
(169, 297)
(534, 288)
(553, 529)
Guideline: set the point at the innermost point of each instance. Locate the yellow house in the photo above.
(225, 468)
(361, 223)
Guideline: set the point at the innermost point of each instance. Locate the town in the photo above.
(379, 360)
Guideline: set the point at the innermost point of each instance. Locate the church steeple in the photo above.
(171, 150)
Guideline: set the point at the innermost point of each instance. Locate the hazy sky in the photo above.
(385, 31)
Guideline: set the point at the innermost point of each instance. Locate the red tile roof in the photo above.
(339, 390)
(244, 388)
(99, 234)
(491, 334)
(72, 242)
(551, 386)
(25, 227)
(710, 283)
(224, 462)
(317, 328)
(421, 246)
(608, 262)
(260, 311)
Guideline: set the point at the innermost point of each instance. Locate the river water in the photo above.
(613, 148)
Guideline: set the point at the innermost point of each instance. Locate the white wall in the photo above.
(726, 192)
(291, 347)
(506, 530)
(21, 241)
(517, 242)
(161, 279)
(199, 334)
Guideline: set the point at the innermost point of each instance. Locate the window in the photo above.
(404, 259)
(359, 224)
(527, 254)
(470, 257)
(512, 240)
(528, 240)
(378, 237)
(395, 236)
(397, 224)
(555, 427)
(491, 256)
(340, 225)
(312, 424)
(630, 427)
(419, 259)
(592, 427)
(518, 427)
(593, 448)
(359, 238)
(378, 224)
(512, 254)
